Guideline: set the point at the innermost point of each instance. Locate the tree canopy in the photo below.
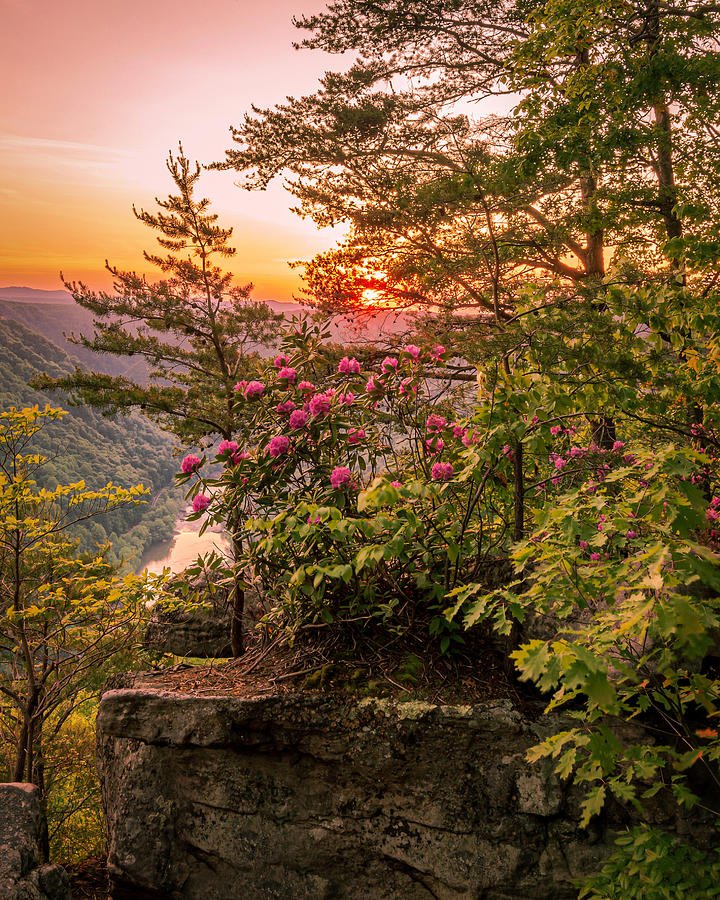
(475, 144)
(62, 616)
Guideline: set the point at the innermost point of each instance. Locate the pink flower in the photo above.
(713, 515)
(346, 399)
(254, 389)
(287, 374)
(437, 351)
(395, 484)
(434, 445)
(618, 445)
(584, 545)
(560, 463)
(227, 447)
(313, 519)
(239, 455)
(319, 405)
(340, 476)
(240, 386)
(576, 451)
(287, 407)
(298, 419)
(372, 385)
(349, 366)
(281, 361)
(190, 464)
(632, 534)
(200, 503)
(412, 351)
(556, 429)
(470, 438)
(715, 502)
(435, 423)
(507, 451)
(595, 557)
(459, 432)
(407, 387)
(354, 437)
(307, 387)
(442, 471)
(279, 445)
(389, 364)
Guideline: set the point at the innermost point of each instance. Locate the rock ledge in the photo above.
(316, 796)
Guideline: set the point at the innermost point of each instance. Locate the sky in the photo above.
(96, 92)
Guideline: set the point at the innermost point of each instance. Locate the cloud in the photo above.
(39, 160)
(68, 149)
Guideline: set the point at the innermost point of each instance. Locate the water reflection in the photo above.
(183, 548)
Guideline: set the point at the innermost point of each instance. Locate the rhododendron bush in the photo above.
(360, 489)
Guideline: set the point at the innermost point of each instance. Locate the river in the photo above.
(183, 548)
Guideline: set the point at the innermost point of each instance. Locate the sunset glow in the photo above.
(97, 94)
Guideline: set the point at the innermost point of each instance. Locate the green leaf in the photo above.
(592, 804)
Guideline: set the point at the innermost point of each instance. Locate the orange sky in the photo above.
(95, 92)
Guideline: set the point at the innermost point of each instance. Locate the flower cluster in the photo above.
(190, 464)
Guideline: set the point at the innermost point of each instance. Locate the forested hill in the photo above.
(126, 450)
(53, 314)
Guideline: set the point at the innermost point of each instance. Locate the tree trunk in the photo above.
(519, 480)
(38, 779)
(664, 169)
(594, 237)
(237, 643)
(21, 753)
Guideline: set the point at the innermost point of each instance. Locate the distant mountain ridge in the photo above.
(35, 295)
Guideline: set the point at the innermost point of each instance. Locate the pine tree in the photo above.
(197, 334)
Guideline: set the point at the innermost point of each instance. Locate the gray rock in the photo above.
(312, 797)
(22, 876)
(196, 618)
(202, 632)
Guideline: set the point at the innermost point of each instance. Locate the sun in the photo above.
(374, 295)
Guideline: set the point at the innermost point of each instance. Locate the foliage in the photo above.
(622, 549)
(652, 865)
(364, 502)
(62, 617)
(85, 445)
(75, 820)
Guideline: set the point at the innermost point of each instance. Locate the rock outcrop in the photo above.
(22, 875)
(310, 796)
(202, 632)
(196, 618)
